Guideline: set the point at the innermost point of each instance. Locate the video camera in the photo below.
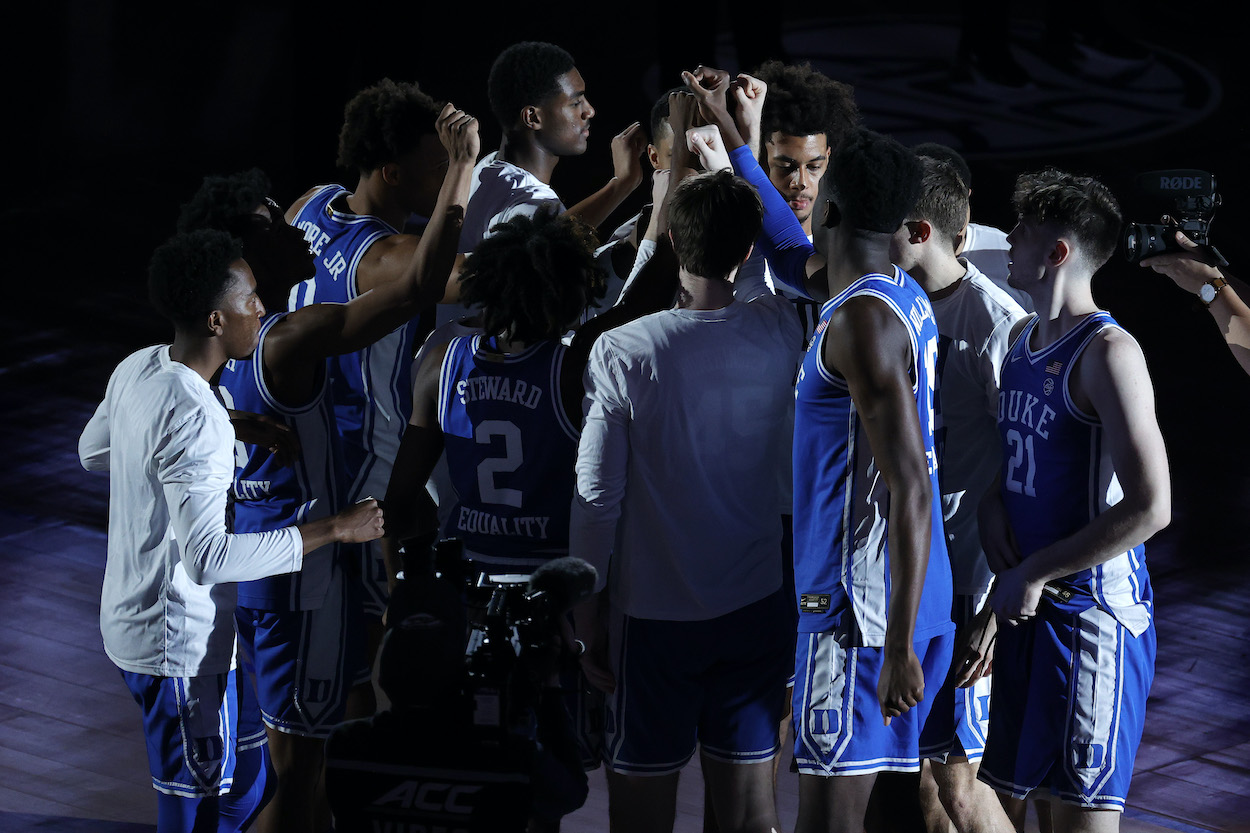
(1189, 199)
(475, 741)
(514, 640)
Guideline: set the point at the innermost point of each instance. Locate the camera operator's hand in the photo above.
(1191, 273)
(1184, 268)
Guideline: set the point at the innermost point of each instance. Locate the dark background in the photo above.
(114, 111)
(117, 110)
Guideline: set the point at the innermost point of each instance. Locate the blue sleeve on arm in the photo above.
(785, 245)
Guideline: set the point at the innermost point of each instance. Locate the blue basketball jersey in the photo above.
(267, 495)
(510, 450)
(841, 503)
(372, 388)
(1057, 473)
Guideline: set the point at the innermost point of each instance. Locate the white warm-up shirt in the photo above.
(167, 604)
(986, 248)
(677, 494)
(974, 323)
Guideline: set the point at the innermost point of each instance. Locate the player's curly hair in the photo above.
(714, 218)
(189, 272)
(533, 276)
(225, 202)
(525, 75)
(383, 122)
(1080, 205)
(943, 199)
(874, 182)
(803, 101)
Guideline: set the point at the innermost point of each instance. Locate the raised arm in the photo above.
(657, 227)
(627, 149)
(793, 259)
(314, 332)
(651, 290)
(1112, 382)
(410, 511)
(750, 93)
(869, 346)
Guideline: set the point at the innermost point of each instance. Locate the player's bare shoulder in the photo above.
(864, 330)
(1112, 364)
(298, 205)
(1018, 328)
(389, 256)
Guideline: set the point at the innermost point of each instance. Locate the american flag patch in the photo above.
(1054, 368)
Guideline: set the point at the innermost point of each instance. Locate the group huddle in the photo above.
(832, 470)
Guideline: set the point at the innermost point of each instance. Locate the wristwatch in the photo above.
(1211, 288)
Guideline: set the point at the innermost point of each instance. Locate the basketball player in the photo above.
(985, 247)
(676, 508)
(974, 318)
(168, 596)
(388, 138)
(300, 632)
(505, 403)
(804, 116)
(540, 100)
(871, 571)
(627, 249)
(791, 116)
(497, 403)
(1084, 482)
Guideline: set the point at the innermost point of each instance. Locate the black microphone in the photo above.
(1179, 184)
(566, 581)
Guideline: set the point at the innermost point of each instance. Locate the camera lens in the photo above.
(1143, 240)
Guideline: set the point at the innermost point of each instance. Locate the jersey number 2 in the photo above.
(509, 462)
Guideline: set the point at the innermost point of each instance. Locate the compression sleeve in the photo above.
(785, 245)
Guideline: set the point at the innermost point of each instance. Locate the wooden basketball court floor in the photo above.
(71, 754)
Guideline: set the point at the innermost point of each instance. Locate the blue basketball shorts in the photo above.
(970, 706)
(1069, 703)
(195, 728)
(306, 661)
(717, 684)
(838, 728)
